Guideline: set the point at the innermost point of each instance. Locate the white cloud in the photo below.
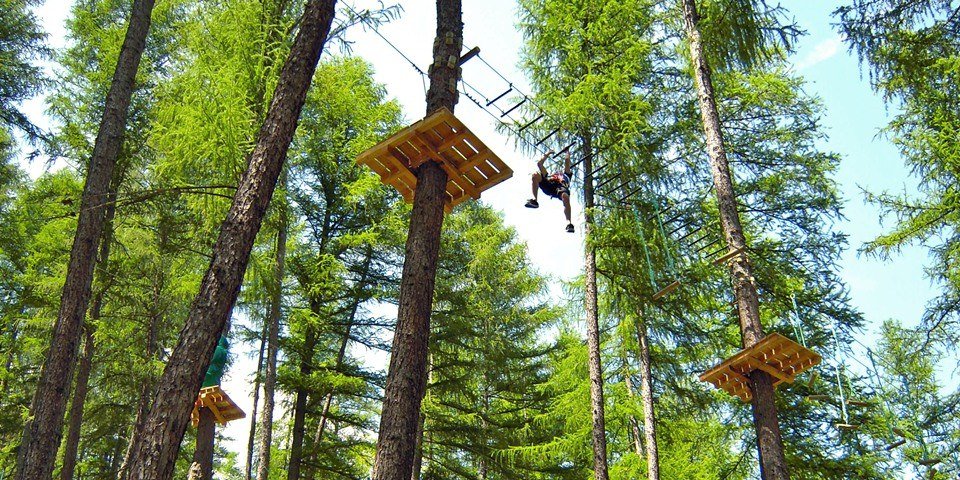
(821, 52)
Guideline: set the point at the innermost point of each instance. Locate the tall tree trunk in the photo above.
(273, 332)
(150, 353)
(42, 434)
(773, 464)
(156, 451)
(76, 406)
(256, 399)
(646, 395)
(599, 437)
(406, 378)
(202, 468)
(300, 406)
(86, 359)
(635, 432)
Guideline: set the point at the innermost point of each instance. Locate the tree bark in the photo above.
(41, 436)
(256, 399)
(406, 378)
(773, 465)
(86, 359)
(300, 406)
(156, 451)
(76, 406)
(598, 436)
(273, 332)
(646, 395)
(202, 468)
(635, 432)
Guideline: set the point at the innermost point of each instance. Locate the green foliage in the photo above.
(21, 46)
(912, 52)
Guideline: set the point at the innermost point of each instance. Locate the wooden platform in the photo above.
(223, 408)
(775, 354)
(471, 166)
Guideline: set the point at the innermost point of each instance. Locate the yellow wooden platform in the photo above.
(775, 354)
(223, 408)
(471, 166)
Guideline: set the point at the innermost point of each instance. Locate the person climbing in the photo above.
(556, 185)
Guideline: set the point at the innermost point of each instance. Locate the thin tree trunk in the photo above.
(202, 468)
(635, 432)
(150, 353)
(273, 332)
(300, 406)
(598, 436)
(155, 453)
(76, 406)
(406, 378)
(646, 395)
(256, 399)
(773, 465)
(8, 363)
(41, 436)
(418, 448)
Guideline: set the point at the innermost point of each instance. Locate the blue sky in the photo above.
(853, 116)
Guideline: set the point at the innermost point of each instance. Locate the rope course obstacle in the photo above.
(506, 105)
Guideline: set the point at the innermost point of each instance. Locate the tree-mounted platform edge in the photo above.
(223, 408)
(470, 165)
(775, 354)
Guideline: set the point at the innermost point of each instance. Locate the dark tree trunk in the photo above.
(406, 378)
(773, 464)
(256, 399)
(156, 451)
(41, 436)
(86, 359)
(202, 468)
(76, 406)
(300, 405)
(646, 395)
(273, 332)
(599, 437)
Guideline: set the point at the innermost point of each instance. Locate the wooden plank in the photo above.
(216, 415)
(450, 141)
(439, 116)
(782, 377)
(664, 291)
(728, 256)
(464, 185)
